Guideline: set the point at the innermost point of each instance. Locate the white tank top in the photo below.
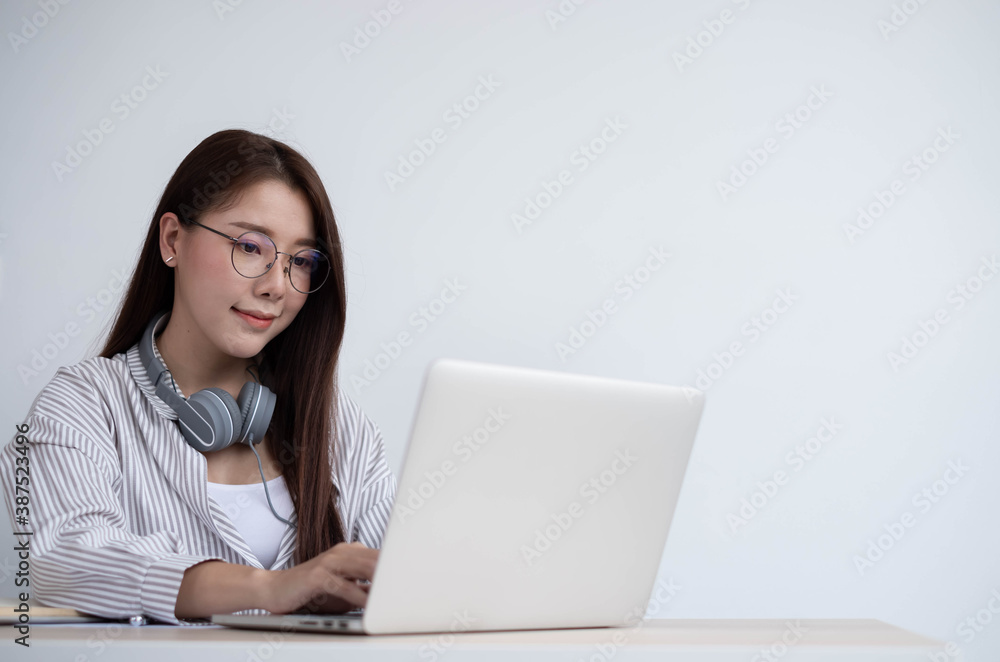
(246, 506)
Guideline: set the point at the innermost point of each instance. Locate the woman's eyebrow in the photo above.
(311, 243)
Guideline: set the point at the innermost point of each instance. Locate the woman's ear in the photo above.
(170, 227)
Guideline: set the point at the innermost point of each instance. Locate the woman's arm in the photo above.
(82, 554)
(328, 583)
(217, 587)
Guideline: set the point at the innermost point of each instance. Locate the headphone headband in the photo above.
(150, 363)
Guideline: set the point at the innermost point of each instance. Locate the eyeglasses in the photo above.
(254, 254)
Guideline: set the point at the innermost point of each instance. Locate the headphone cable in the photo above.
(266, 492)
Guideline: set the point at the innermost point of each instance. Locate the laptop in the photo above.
(528, 499)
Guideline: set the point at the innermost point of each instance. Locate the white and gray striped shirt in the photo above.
(119, 504)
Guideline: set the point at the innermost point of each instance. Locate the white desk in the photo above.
(662, 640)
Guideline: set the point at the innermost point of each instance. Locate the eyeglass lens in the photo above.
(254, 253)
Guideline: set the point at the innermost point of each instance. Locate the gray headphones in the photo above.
(210, 419)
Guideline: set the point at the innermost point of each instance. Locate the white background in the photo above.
(887, 88)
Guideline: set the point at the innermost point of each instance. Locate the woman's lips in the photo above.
(255, 322)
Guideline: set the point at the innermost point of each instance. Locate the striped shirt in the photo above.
(119, 505)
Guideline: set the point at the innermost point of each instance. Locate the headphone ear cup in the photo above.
(216, 407)
(256, 408)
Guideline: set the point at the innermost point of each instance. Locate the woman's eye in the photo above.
(249, 247)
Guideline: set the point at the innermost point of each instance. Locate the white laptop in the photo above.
(528, 499)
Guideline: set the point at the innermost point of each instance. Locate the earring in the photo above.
(169, 258)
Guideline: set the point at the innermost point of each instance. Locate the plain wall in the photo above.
(751, 137)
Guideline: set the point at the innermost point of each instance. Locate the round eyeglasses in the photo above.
(254, 253)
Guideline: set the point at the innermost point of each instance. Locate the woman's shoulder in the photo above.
(75, 410)
(358, 438)
(355, 426)
(97, 366)
(81, 389)
(362, 473)
(346, 405)
(94, 371)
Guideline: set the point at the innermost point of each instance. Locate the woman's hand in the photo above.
(326, 584)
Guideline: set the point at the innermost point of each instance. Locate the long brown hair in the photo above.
(300, 362)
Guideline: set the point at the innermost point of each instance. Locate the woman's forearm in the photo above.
(217, 587)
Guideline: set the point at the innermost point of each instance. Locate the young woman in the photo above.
(147, 475)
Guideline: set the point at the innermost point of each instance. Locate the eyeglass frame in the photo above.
(287, 271)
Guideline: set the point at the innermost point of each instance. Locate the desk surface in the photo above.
(663, 640)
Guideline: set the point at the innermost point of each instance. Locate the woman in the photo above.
(242, 277)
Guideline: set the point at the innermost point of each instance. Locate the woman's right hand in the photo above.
(325, 584)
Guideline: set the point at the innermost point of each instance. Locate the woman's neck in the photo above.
(195, 365)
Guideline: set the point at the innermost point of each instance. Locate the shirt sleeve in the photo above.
(378, 484)
(81, 553)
